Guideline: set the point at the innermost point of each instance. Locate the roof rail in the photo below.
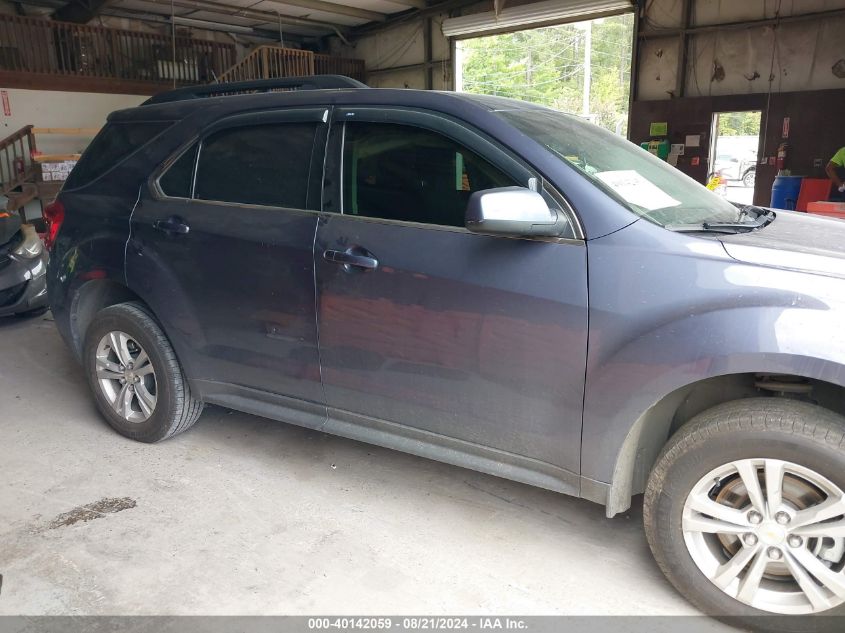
(313, 82)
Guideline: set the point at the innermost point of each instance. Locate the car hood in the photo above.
(796, 241)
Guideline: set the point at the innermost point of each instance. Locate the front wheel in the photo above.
(745, 512)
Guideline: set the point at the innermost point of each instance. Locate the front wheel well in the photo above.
(88, 300)
(652, 430)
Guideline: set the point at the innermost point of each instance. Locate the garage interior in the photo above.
(251, 516)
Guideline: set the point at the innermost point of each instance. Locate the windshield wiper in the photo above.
(706, 227)
(762, 219)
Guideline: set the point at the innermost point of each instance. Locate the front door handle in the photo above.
(350, 258)
(173, 225)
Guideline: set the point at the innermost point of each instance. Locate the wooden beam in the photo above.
(54, 158)
(69, 131)
(69, 83)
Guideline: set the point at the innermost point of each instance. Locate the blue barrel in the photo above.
(785, 191)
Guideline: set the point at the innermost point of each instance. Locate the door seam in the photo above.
(129, 237)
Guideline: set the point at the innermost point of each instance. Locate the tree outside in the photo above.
(739, 123)
(547, 66)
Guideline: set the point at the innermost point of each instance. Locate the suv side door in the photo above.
(466, 344)
(221, 248)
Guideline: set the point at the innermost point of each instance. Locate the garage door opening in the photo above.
(582, 67)
(733, 154)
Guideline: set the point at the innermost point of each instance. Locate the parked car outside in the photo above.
(736, 168)
(23, 268)
(482, 281)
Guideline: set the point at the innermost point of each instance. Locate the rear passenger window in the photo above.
(400, 172)
(176, 182)
(260, 164)
(113, 144)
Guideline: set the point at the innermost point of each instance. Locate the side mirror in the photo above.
(510, 211)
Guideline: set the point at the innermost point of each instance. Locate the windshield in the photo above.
(648, 186)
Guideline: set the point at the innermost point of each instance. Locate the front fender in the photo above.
(668, 311)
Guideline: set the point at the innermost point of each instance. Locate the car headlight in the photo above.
(31, 246)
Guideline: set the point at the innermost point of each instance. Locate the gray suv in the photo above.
(484, 282)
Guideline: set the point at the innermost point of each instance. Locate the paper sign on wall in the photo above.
(658, 129)
(693, 140)
(785, 127)
(4, 97)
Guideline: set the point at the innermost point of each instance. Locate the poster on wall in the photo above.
(4, 97)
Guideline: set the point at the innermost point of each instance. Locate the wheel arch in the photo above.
(651, 430)
(87, 300)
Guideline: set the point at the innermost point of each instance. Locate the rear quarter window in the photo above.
(115, 142)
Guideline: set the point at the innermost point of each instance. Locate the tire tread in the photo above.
(778, 416)
(187, 408)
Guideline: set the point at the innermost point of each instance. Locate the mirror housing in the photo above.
(511, 211)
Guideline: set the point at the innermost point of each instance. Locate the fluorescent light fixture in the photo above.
(527, 15)
(213, 26)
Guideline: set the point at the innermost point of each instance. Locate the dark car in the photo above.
(481, 281)
(23, 268)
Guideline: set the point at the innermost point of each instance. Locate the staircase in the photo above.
(21, 180)
(270, 62)
(18, 168)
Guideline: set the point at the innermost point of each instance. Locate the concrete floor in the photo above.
(243, 515)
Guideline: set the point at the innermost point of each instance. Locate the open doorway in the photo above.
(582, 67)
(734, 154)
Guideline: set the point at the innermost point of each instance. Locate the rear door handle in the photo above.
(351, 258)
(173, 225)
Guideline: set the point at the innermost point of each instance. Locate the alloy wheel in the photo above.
(770, 534)
(126, 376)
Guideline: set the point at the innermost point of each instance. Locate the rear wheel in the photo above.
(136, 379)
(745, 511)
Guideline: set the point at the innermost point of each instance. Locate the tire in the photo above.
(171, 409)
(811, 440)
(749, 178)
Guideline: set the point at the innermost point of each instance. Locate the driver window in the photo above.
(401, 172)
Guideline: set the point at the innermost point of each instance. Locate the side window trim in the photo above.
(319, 116)
(488, 149)
(441, 124)
(162, 169)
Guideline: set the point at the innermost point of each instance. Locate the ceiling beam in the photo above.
(334, 8)
(80, 11)
(252, 14)
(416, 4)
(443, 6)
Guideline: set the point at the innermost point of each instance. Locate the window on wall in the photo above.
(260, 164)
(400, 172)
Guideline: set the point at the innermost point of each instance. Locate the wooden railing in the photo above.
(331, 65)
(16, 163)
(267, 62)
(35, 46)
